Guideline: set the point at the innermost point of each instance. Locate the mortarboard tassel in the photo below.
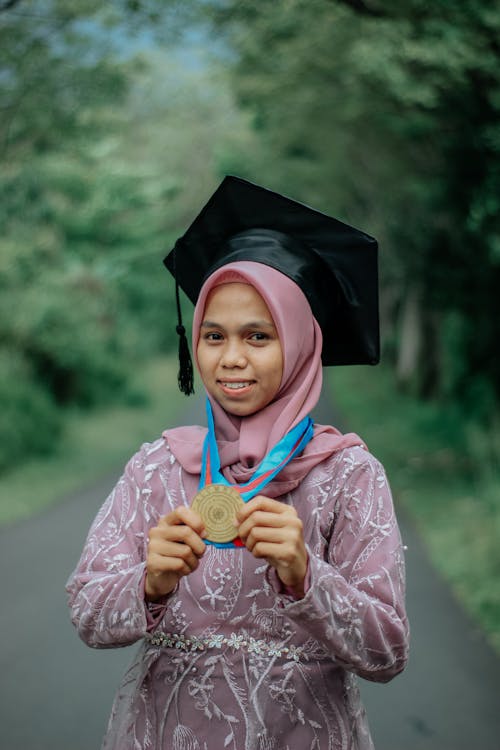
(185, 374)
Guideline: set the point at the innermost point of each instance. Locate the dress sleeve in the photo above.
(354, 603)
(106, 591)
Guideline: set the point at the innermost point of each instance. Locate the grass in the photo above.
(437, 474)
(94, 444)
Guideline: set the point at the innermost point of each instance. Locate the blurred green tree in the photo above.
(388, 114)
(55, 336)
(108, 147)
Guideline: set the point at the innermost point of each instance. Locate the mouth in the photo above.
(235, 386)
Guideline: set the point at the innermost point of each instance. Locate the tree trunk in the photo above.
(410, 339)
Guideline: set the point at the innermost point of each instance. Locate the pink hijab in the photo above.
(244, 441)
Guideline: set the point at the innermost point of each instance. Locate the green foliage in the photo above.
(52, 78)
(56, 307)
(30, 424)
(442, 471)
(388, 115)
(96, 444)
(385, 114)
(108, 147)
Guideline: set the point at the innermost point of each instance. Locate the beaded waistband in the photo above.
(233, 642)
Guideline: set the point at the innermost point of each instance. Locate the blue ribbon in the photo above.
(278, 457)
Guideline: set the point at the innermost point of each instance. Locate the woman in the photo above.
(252, 631)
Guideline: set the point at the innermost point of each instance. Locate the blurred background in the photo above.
(119, 119)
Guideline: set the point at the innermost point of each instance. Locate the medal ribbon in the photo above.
(278, 457)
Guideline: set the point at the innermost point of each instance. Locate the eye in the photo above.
(212, 336)
(259, 337)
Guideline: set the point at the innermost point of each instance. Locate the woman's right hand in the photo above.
(174, 550)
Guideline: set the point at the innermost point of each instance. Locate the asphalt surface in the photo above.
(55, 693)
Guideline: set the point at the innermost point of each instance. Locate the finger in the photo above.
(263, 534)
(158, 565)
(260, 503)
(264, 519)
(170, 556)
(268, 550)
(186, 516)
(285, 516)
(283, 557)
(177, 534)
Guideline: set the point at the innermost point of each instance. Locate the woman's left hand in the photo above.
(273, 531)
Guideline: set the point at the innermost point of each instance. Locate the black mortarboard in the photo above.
(334, 264)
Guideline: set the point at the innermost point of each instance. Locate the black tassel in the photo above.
(185, 375)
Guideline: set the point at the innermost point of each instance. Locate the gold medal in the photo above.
(217, 504)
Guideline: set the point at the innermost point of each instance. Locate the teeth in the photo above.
(235, 386)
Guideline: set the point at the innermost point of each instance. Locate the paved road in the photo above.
(55, 693)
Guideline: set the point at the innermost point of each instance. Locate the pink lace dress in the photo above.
(229, 660)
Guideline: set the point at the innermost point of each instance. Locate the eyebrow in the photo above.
(250, 324)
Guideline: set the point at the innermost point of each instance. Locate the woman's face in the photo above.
(239, 352)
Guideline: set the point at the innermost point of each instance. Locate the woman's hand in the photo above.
(272, 530)
(174, 550)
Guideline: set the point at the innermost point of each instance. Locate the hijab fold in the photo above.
(244, 441)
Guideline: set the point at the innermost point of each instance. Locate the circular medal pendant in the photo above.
(217, 505)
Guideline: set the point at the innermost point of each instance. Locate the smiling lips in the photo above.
(235, 385)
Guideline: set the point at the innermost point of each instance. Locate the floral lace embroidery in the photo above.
(234, 642)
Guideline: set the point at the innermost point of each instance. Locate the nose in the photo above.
(233, 355)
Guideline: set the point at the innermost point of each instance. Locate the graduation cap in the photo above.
(334, 264)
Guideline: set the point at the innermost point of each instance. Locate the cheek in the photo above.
(203, 358)
(277, 369)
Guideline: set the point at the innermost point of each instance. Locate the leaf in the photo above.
(254, 592)
(314, 724)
